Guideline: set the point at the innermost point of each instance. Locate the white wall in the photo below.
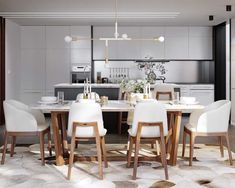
(12, 60)
(233, 70)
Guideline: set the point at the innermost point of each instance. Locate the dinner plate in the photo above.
(187, 103)
(47, 102)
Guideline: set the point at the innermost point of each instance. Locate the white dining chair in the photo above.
(213, 120)
(86, 122)
(164, 91)
(23, 121)
(150, 123)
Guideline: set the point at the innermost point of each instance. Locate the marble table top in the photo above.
(116, 106)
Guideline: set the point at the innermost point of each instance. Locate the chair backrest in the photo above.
(85, 112)
(94, 96)
(18, 119)
(150, 111)
(164, 91)
(215, 117)
(18, 104)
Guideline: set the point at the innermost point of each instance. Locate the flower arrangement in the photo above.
(135, 86)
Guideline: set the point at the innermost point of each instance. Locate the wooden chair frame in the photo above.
(193, 136)
(100, 146)
(40, 134)
(136, 140)
(169, 93)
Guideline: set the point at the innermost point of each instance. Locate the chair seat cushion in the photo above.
(42, 127)
(89, 133)
(152, 134)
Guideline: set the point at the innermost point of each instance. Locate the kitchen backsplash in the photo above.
(175, 71)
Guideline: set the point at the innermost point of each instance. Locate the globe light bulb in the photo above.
(124, 36)
(68, 39)
(161, 39)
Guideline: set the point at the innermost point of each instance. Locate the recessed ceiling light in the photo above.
(211, 17)
(228, 8)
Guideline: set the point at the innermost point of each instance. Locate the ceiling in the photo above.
(130, 12)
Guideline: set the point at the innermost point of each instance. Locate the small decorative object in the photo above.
(136, 89)
(104, 100)
(150, 67)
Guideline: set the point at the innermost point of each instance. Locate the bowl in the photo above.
(48, 99)
(188, 100)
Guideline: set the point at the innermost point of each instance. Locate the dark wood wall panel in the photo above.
(2, 68)
(219, 32)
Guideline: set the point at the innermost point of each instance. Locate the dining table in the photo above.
(59, 114)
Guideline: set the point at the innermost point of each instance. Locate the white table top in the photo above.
(115, 106)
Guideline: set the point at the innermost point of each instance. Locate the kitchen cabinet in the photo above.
(204, 93)
(99, 46)
(55, 37)
(57, 67)
(81, 32)
(33, 37)
(30, 96)
(176, 43)
(200, 43)
(152, 48)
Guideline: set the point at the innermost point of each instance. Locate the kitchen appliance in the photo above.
(80, 73)
(105, 80)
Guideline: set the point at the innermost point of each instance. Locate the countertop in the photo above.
(110, 85)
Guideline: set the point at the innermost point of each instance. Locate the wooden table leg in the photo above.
(64, 132)
(175, 138)
(56, 135)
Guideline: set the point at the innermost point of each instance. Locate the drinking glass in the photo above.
(176, 97)
(60, 97)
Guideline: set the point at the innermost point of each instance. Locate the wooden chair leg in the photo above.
(13, 142)
(104, 153)
(229, 149)
(71, 156)
(137, 147)
(130, 152)
(221, 146)
(192, 140)
(76, 144)
(41, 137)
(163, 155)
(152, 144)
(184, 142)
(99, 155)
(49, 143)
(4, 147)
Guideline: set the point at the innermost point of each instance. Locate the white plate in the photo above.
(192, 103)
(47, 102)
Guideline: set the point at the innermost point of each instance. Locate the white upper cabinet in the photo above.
(176, 43)
(32, 69)
(33, 37)
(152, 48)
(55, 37)
(99, 46)
(200, 43)
(82, 32)
(129, 49)
(57, 67)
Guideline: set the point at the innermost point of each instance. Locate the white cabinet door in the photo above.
(33, 37)
(99, 46)
(32, 69)
(30, 96)
(204, 97)
(57, 67)
(81, 32)
(55, 37)
(200, 43)
(152, 48)
(129, 49)
(233, 107)
(176, 43)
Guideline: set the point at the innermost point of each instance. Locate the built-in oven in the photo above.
(80, 73)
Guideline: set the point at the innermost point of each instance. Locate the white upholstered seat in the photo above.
(22, 121)
(149, 121)
(85, 122)
(213, 120)
(163, 90)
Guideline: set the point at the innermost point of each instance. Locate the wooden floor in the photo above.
(115, 138)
